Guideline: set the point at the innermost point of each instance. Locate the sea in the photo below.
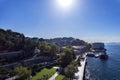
(109, 69)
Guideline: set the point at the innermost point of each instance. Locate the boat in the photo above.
(103, 56)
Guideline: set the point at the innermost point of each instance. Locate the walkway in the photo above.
(12, 78)
(80, 74)
(55, 75)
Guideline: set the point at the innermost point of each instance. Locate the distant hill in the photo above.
(65, 41)
(15, 41)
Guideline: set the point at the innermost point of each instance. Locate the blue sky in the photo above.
(90, 20)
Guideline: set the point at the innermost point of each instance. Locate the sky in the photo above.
(90, 20)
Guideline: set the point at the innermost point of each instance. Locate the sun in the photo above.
(65, 3)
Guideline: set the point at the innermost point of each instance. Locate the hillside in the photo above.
(15, 41)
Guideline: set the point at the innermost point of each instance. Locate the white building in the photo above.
(77, 49)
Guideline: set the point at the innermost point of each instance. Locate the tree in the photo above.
(3, 73)
(69, 49)
(88, 46)
(66, 57)
(45, 49)
(70, 71)
(75, 64)
(54, 50)
(48, 49)
(11, 41)
(22, 72)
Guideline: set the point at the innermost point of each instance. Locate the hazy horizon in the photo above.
(87, 40)
(89, 20)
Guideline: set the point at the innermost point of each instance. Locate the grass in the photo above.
(59, 77)
(43, 72)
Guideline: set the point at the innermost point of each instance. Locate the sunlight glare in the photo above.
(65, 4)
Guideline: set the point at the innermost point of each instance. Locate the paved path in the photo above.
(80, 74)
(77, 57)
(12, 78)
(55, 75)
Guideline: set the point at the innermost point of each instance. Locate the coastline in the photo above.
(85, 62)
(80, 75)
(84, 74)
(97, 69)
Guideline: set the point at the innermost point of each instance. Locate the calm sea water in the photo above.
(105, 69)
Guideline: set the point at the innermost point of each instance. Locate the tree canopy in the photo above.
(66, 57)
(48, 49)
(14, 41)
(3, 73)
(22, 72)
(70, 71)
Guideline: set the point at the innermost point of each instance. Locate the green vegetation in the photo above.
(67, 60)
(48, 49)
(70, 70)
(67, 41)
(22, 72)
(44, 74)
(3, 73)
(60, 77)
(88, 47)
(14, 41)
(66, 57)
